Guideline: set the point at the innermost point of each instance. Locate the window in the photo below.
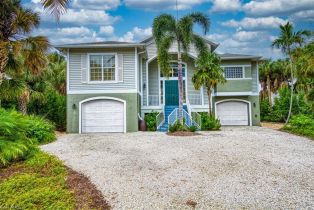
(233, 72)
(174, 70)
(102, 67)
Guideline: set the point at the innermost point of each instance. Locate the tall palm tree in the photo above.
(167, 31)
(15, 26)
(209, 74)
(287, 41)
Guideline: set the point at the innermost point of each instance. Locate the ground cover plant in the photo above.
(302, 125)
(150, 120)
(43, 182)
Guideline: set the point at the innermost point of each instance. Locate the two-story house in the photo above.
(110, 85)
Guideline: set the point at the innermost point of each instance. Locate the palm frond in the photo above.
(56, 7)
(202, 20)
(163, 25)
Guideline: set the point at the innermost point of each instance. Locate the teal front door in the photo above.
(171, 92)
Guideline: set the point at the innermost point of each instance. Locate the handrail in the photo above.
(187, 118)
(160, 118)
(197, 118)
(173, 116)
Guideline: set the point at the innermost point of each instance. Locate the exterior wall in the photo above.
(132, 109)
(78, 70)
(144, 92)
(255, 108)
(247, 84)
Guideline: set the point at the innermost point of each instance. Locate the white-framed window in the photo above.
(233, 72)
(174, 70)
(102, 68)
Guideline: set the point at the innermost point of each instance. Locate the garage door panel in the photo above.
(102, 115)
(233, 113)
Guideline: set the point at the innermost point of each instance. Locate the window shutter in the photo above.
(84, 68)
(120, 67)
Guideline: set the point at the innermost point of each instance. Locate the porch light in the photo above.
(144, 86)
(73, 106)
(254, 104)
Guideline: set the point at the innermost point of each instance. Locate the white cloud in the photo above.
(163, 4)
(137, 34)
(69, 35)
(244, 36)
(216, 37)
(106, 30)
(226, 5)
(95, 4)
(90, 17)
(254, 23)
(303, 15)
(275, 7)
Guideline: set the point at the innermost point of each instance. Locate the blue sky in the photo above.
(246, 27)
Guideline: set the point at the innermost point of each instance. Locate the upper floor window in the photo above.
(174, 70)
(102, 67)
(233, 72)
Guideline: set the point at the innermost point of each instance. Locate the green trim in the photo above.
(132, 107)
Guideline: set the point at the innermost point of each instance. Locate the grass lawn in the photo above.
(43, 182)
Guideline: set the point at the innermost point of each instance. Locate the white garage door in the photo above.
(102, 115)
(233, 113)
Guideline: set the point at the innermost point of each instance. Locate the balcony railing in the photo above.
(153, 100)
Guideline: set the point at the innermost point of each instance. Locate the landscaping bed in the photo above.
(43, 182)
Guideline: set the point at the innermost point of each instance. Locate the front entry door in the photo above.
(171, 92)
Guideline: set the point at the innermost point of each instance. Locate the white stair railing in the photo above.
(187, 118)
(173, 116)
(160, 118)
(195, 117)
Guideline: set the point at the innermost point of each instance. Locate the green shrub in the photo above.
(42, 185)
(302, 125)
(177, 126)
(40, 129)
(53, 108)
(19, 135)
(209, 122)
(280, 109)
(193, 128)
(150, 120)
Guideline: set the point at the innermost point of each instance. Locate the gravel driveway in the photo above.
(243, 167)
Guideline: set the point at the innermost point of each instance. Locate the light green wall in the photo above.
(132, 109)
(235, 86)
(255, 108)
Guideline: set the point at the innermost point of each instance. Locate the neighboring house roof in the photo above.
(99, 44)
(231, 56)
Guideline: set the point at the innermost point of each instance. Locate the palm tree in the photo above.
(55, 73)
(56, 7)
(209, 74)
(265, 74)
(167, 31)
(287, 41)
(16, 24)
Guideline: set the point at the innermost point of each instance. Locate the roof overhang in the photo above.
(96, 45)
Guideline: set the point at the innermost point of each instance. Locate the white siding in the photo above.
(144, 96)
(153, 88)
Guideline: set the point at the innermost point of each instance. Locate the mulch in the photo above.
(87, 196)
(183, 133)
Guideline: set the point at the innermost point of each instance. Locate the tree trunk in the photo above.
(209, 94)
(180, 84)
(23, 101)
(3, 61)
(292, 89)
(269, 91)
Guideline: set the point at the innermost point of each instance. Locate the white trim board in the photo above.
(235, 94)
(101, 91)
(100, 98)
